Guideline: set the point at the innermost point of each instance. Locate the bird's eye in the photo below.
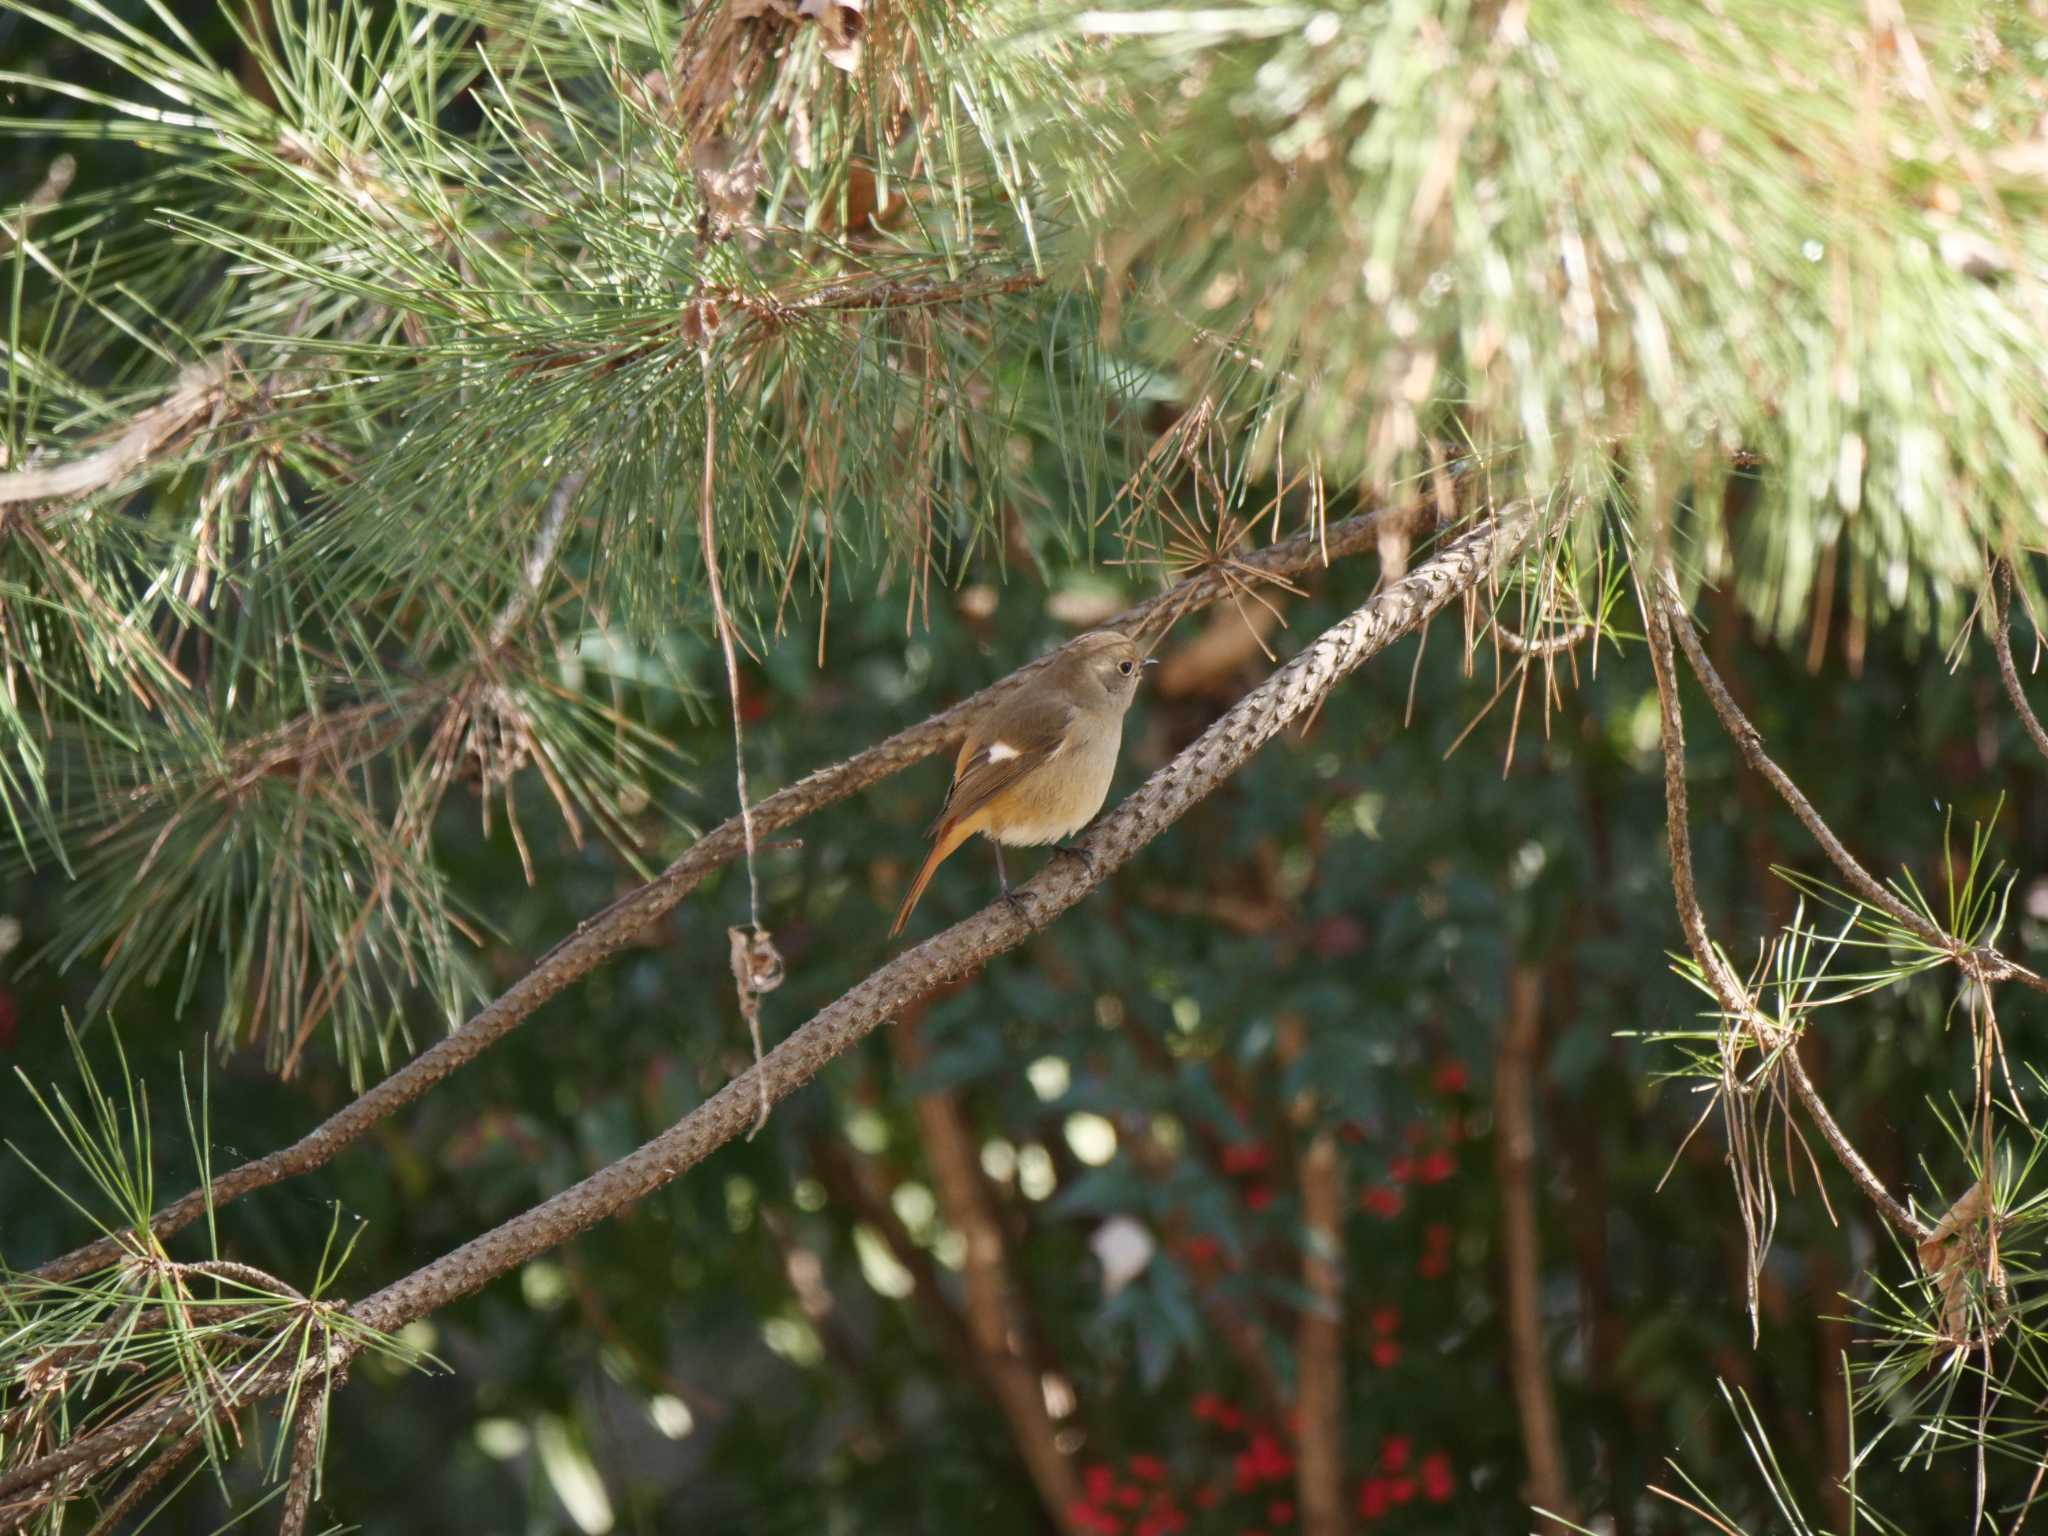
(1127, 667)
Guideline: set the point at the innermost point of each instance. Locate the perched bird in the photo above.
(1036, 767)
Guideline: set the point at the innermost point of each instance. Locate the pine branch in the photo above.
(1169, 794)
(1295, 690)
(1986, 963)
(1728, 988)
(305, 1466)
(600, 937)
(2001, 640)
(153, 431)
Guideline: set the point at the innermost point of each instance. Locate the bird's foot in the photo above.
(1087, 859)
(1017, 905)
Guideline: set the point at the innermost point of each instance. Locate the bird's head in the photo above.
(1110, 661)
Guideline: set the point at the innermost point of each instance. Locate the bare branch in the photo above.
(600, 937)
(1727, 987)
(2001, 640)
(1988, 964)
(305, 1465)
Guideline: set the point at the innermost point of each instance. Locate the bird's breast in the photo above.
(1061, 797)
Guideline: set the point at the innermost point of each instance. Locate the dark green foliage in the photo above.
(395, 659)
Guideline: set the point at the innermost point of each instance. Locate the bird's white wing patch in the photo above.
(1000, 751)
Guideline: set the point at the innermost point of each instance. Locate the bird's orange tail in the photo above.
(951, 836)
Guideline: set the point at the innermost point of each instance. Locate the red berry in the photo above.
(1437, 1482)
(1382, 1200)
(1258, 1197)
(1130, 1495)
(1267, 1457)
(1435, 1168)
(1150, 1468)
(1451, 1077)
(1372, 1498)
(1386, 1354)
(1280, 1512)
(1401, 1490)
(1098, 1480)
(1394, 1452)
(1386, 1319)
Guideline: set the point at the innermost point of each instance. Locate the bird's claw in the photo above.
(1087, 859)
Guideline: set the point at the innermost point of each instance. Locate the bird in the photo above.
(1036, 766)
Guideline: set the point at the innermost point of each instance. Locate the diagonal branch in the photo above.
(1727, 987)
(1169, 794)
(1987, 964)
(1290, 693)
(600, 937)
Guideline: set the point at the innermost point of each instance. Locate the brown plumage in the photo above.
(1036, 767)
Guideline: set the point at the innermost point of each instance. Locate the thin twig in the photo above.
(554, 519)
(606, 933)
(2001, 640)
(1319, 1337)
(48, 194)
(1547, 645)
(743, 968)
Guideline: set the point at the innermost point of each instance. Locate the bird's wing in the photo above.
(1017, 738)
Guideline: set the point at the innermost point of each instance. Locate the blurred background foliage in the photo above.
(464, 252)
